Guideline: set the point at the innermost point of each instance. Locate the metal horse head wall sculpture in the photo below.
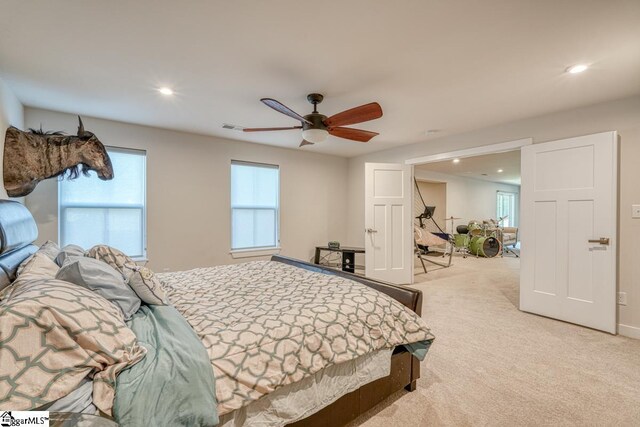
(30, 157)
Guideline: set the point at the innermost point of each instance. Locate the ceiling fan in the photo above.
(316, 127)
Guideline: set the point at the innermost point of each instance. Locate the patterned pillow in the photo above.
(52, 335)
(141, 279)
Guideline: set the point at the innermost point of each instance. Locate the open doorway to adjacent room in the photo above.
(466, 213)
(565, 215)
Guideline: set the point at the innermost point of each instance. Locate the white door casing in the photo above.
(388, 230)
(569, 197)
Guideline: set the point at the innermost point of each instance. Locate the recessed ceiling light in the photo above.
(167, 91)
(431, 131)
(500, 171)
(456, 160)
(575, 69)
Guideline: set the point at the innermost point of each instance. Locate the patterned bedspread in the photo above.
(52, 335)
(266, 324)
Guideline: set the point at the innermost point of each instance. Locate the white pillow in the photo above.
(40, 266)
(48, 248)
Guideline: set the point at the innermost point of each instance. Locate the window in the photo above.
(93, 211)
(255, 200)
(507, 207)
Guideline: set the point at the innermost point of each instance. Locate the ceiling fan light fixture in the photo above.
(316, 127)
(315, 135)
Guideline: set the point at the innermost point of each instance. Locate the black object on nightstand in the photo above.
(348, 256)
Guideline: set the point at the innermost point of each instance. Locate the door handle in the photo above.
(371, 230)
(602, 241)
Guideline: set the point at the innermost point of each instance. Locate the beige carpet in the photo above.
(494, 365)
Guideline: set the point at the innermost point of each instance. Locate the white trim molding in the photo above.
(470, 152)
(629, 331)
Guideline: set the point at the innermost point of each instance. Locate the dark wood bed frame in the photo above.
(18, 230)
(405, 368)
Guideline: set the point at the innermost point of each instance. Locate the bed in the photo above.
(278, 334)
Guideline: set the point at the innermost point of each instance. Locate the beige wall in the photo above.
(11, 114)
(188, 211)
(622, 115)
(467, 198)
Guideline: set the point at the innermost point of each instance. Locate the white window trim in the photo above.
(258, 250)
(144, 256)
(254, 252)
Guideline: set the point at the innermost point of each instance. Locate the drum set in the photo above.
(479, 239)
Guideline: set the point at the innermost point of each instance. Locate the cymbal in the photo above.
(453, 217)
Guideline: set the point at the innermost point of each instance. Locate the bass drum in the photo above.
(487, 247)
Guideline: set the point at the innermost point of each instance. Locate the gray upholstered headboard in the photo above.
(18, 230)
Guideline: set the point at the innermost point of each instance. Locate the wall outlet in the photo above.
(635, 211)
(622, 298)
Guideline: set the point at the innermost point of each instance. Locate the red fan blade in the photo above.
(269, 129)
(360, 114)
(353, 134)
(281, 108)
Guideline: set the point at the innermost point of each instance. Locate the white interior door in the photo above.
(388, 230)
(569, 202)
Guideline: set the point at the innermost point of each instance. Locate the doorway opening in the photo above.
(568, 222)
(467, 213)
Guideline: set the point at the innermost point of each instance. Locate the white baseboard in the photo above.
(629, 331)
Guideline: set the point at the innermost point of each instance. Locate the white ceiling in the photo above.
(448, 65)
(482, 167)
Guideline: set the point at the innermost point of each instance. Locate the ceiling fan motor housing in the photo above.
(315, 131)
(317, 121)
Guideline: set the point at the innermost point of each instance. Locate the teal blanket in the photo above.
(174, 384)
(419, 349)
